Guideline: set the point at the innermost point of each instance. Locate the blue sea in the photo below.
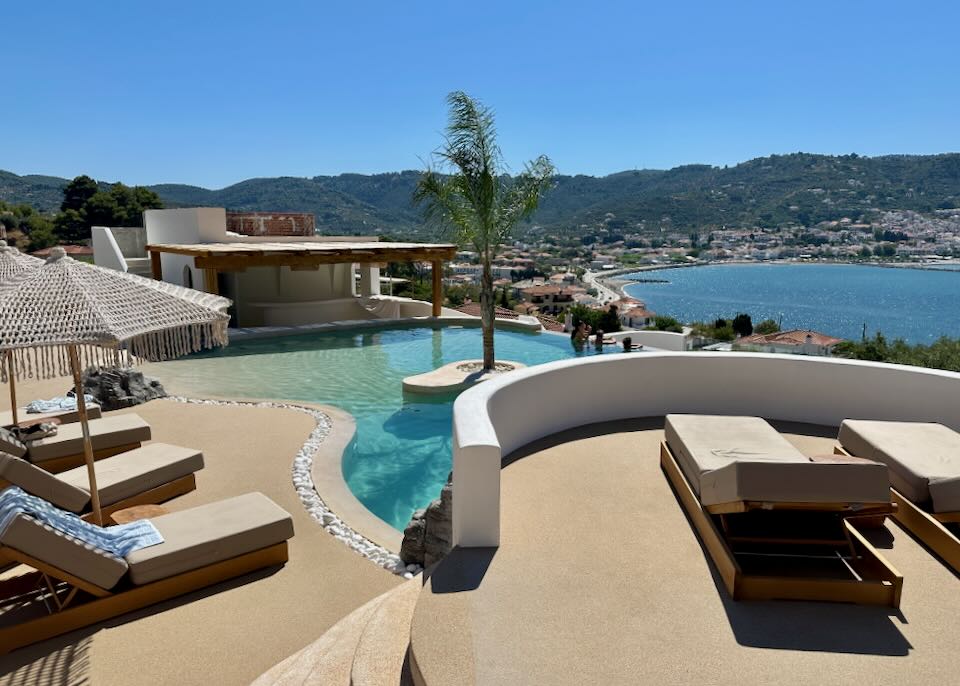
(916, 305)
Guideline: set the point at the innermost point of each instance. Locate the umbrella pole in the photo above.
(84, 424)
(13, 387)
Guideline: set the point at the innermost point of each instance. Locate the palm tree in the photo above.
(472, 193)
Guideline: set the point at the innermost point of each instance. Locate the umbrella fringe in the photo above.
(49, 362)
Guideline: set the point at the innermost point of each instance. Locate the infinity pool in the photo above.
(401, 455)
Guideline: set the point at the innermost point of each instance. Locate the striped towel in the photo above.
(59, 404)
(117, 540)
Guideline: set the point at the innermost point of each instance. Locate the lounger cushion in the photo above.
(43, 484)
(108, 432)
(208, 534)
(65, 416)
(734, 459)
(63, 552)
(10, 444)
(136, 471)
(923, 458)
(704, 443)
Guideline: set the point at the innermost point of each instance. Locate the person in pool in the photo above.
(599, 341)
(580, 335)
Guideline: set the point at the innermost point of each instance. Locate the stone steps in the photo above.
(368, 647)
(138, 265)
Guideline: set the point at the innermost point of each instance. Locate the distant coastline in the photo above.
(608, 278)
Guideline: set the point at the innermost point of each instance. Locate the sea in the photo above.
(917, 305)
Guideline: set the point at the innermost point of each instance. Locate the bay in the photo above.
(916, 305)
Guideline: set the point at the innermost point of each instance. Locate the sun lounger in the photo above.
(777, 524)
(65, 416)
(151, 474)
(75, 585)
(110, 436)
(923, 462)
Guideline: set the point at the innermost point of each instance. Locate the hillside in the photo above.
(769, 191)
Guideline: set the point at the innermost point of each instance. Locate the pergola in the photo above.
(214, 258)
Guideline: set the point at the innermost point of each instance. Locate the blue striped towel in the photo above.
(58, 404)
(117, 540)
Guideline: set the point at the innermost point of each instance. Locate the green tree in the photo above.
(942, 354)
(70, 226)
(39, 230)
(742, 324)
(476, 198)
(77, 192)
(664, 323)
(101, 209)
(767, 326)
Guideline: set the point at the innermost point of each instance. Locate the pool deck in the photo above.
(232, 632)
(600, 579)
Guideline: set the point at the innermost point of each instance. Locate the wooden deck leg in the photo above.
(437, 273)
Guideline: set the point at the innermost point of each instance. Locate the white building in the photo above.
(273, 280)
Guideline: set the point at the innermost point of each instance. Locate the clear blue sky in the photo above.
(211, 93)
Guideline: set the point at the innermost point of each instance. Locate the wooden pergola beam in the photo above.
(213, 258)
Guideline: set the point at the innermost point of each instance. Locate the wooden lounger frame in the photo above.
(62, 464)
(74, 608)
(927, 527)
(879, 584)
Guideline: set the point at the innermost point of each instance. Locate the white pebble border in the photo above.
(307, 492)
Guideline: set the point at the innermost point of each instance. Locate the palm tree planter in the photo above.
(471, 193)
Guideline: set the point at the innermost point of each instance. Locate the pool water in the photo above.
(401, 454)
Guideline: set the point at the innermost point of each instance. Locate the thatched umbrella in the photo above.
(12, 263)
(66, 312)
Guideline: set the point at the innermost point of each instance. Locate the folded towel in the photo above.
(117, 540)
(65, 403)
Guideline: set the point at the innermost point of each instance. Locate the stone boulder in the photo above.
(115, 387)
(427, 538)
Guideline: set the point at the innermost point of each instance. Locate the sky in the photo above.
(211, 93)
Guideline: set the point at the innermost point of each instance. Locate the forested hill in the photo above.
(769, 191)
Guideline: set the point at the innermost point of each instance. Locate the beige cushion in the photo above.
(136, 471)
(63, 552)
(923, 458)
(65, 416)
(733, 459)
(107, 432)
(10, 444)
(703, 443)
(209, 534)
(43, 484)
(796, 482)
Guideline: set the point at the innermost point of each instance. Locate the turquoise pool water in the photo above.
(401, 454)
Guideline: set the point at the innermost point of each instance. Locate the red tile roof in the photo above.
(792, 337)
(473, 309)
(69, 249)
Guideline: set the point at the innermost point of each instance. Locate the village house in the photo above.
(794, 342)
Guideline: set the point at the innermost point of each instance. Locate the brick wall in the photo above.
(271, 223)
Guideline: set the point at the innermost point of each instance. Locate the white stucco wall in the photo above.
(106, 250)
(495, 418)
(187, 225)
(662, 340)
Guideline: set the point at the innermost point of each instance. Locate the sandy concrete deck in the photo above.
(230, 633)
(600, 579)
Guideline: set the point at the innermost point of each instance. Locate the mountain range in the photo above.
(779, 190)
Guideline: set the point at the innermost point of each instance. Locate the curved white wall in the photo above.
(497, 417)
